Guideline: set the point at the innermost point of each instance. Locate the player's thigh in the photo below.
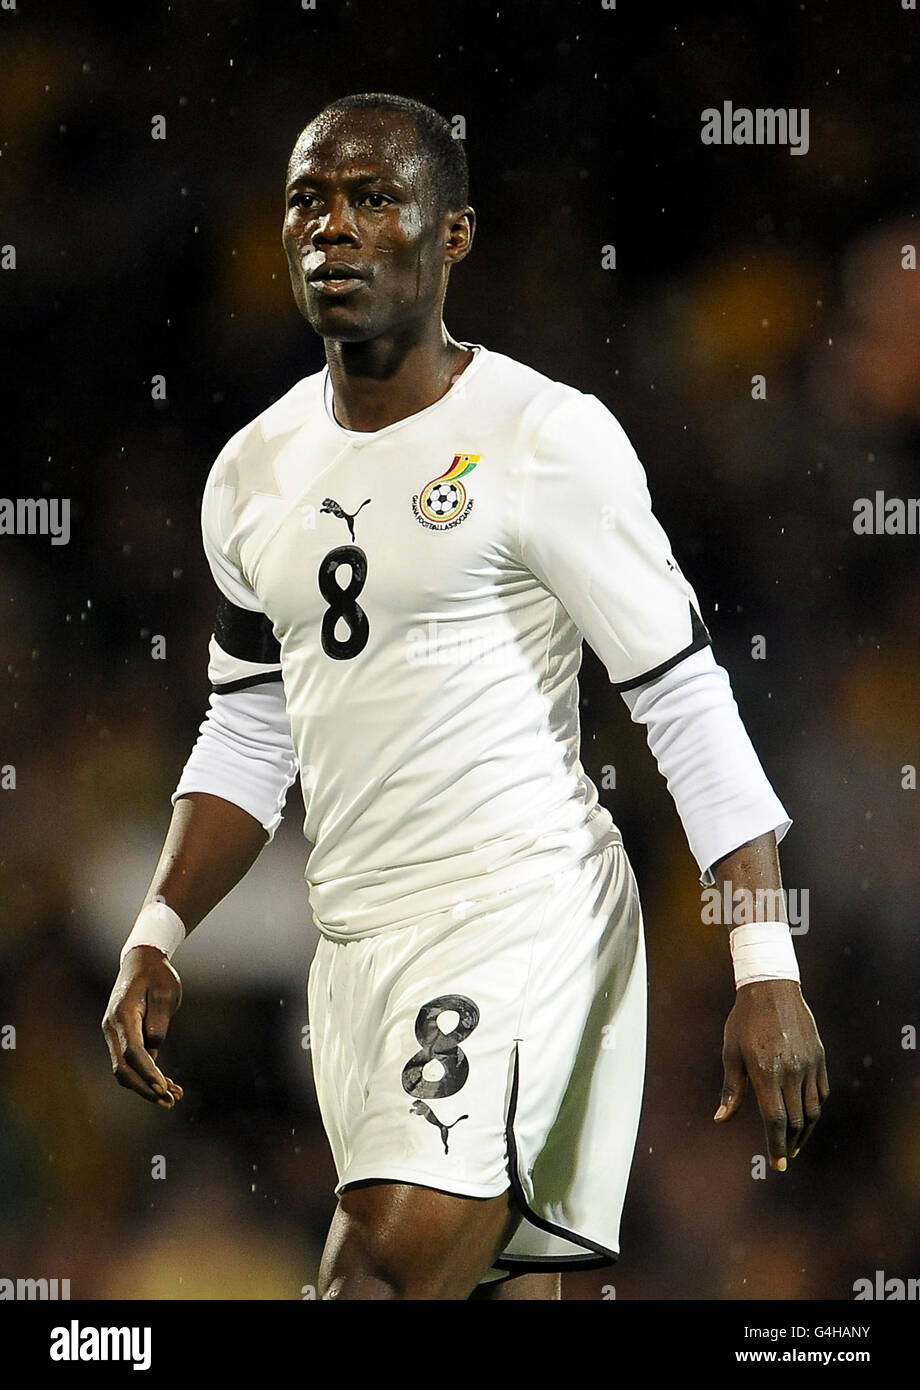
(398, 1240)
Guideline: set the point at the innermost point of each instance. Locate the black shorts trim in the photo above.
(229, 686)
(553, 1264)
(599, 1254)
(700, 638)
(245, 634)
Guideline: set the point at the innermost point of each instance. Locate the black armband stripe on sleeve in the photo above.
(700, 638)
(228, 687)
(244, 634)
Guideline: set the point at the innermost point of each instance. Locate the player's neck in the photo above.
(378, 382)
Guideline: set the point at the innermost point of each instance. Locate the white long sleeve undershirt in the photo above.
(245, 753)
(704, 753)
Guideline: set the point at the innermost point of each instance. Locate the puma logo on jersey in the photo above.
(332, 507)
(419, 1107)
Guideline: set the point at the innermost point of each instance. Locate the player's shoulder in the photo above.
(520, 386)
(567, 432)
(266, 431)
(547, 403)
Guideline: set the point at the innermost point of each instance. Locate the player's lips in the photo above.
(335, 278)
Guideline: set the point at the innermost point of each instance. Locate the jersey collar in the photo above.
(366, 436)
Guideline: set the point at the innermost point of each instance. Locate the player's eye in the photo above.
(376, 200)
(301, 200)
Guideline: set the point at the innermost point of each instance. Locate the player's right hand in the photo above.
(144, 998)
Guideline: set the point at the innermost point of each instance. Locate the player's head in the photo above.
(378, 185)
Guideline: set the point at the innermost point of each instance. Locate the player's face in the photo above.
(365, 248)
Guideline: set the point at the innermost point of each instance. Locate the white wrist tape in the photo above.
(763, 951)
(156, 925)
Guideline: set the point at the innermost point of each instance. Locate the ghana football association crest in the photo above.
(443, 502)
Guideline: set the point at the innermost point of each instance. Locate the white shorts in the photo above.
(499, 1044)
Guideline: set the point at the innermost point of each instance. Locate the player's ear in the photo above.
(460, 228)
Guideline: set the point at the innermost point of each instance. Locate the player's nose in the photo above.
(336, 224)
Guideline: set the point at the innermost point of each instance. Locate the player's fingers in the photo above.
(795, 1113)
(170, 1084)
(773, 1113)
(124, 1073)
(803, 1138)
(734, 1085)
(122, 1030)
(114, 1041)
(129, 1030)
(141, 1062)
(131, 1023)
(126, 1076)
(824, 1089)
(812, 1103)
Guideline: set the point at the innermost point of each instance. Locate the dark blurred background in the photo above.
(137, 257)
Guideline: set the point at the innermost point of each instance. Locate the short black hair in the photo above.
(444, 152)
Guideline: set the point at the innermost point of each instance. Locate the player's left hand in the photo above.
(771, 1040)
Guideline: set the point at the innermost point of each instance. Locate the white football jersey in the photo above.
(422, 591)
